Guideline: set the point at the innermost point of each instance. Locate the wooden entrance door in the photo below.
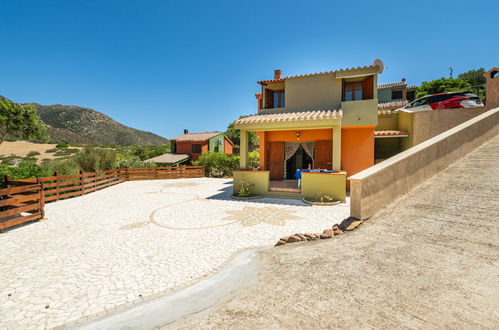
(275, 160)
(323, 154)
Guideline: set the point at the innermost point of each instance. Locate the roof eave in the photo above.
(290, 124)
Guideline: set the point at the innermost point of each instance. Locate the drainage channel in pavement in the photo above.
(193, 300)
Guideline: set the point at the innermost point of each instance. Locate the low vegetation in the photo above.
(71, 159)
(219, 165)
(472, 80)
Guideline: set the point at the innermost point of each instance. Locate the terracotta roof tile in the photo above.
(412, 87)
(387, 107)
(390, 133)
(195, 136)
(167, 158)
(395, 84)
(377, 63)
(292, 116)
(265, 82)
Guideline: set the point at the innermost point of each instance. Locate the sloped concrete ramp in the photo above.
(429, 260)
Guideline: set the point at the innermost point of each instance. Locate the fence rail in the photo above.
(23, 200)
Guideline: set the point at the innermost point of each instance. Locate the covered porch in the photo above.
(300, 155)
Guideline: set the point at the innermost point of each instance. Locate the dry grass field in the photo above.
(22, 148)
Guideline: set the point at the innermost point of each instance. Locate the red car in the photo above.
(445, 101)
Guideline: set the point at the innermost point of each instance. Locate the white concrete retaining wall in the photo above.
(378, 186)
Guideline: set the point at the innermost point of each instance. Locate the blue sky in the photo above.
(167, 65)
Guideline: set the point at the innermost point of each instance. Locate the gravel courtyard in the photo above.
(135, 240)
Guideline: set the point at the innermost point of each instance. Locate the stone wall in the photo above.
(428, 124)
(379, 185)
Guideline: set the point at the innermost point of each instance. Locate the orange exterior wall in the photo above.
(185, 147)
(357, 149)
(357, 145)
(228, 148)
(290, 136)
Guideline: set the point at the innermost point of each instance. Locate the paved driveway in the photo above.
(428, 261)
(132, 241)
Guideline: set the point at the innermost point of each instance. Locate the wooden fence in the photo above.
(30, 195)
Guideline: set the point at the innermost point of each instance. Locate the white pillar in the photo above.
(243, 150)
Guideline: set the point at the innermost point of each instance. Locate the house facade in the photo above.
(321, 121)
(397, 91)
(194, 144)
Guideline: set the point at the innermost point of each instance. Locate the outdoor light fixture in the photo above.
(297, 135)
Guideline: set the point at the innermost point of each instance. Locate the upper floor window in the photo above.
(397, 94)
(352, 91)
(196, 148)
(274, 99)
(358, 89)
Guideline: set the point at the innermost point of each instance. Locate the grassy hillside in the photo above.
(74, 124)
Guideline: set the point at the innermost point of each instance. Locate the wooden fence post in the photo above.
(56, 174)
(81, 183)
(95, 178)
(41, 201)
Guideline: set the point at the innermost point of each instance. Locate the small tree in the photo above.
(476, 79)
(235, 135)
(19, 121)
(217, 164)
(442, 85)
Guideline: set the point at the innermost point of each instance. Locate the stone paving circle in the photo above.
(133, 241)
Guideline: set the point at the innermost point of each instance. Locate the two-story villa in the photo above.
(313, 121)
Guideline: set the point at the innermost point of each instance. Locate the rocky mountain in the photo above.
(74, 124)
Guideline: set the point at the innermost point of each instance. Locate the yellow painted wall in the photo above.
(259, 180)
(312, 93)
(333, 185)
(406, 120)
(388, 122)
(360, 113)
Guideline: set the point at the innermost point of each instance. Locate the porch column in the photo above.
(336, 148)
(243, 150)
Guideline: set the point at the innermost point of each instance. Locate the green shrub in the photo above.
(33, 153)
(26, 169)
(147, 152)
(254, 159)
(52, 150)
(61, 145)
(132, 162)
(99, 159)
(218, 164)
(62, 167)
(66, 152)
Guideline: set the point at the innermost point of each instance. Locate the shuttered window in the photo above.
(358, 90)
(274, 99)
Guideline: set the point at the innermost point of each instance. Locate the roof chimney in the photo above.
(186, 131)
(403, 79)
(277, 75)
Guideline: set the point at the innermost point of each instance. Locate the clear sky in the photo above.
(166, 65)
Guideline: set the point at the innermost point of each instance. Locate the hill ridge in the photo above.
(77, 124)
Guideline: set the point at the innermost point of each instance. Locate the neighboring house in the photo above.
(193, 144)
(400, 129)
(169, 160)
(321, 120)
(398, 91)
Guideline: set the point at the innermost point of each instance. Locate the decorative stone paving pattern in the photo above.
(115, 247)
